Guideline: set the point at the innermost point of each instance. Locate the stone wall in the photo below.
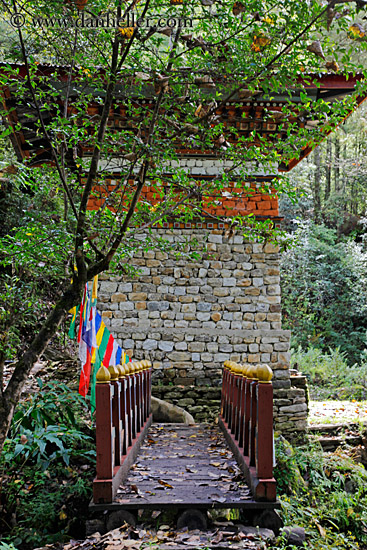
(188, 316)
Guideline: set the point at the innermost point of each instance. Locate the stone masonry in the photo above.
(188, 317)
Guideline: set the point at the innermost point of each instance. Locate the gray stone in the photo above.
(302, 407)
(260, 532)
(150, 344)
(165, 346)
(295, 536)
(153, 306)
(229, 281)
(204, 306)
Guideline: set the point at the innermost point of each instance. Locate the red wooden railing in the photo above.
(247, 421)
(123, 396)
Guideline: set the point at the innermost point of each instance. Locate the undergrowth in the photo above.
(326, 493)
(330, 376)
(46, 470)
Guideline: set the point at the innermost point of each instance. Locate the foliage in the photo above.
(335, 176)
(324, 286)
(329, 375)
(47, 468)
(169, 83)
(54, 403)
(330, 503)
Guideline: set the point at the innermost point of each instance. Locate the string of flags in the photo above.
(97, 345)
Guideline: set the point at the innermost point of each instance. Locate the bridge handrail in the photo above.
(123, 404)
(247, 419)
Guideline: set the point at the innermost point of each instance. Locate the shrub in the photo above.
(330, 502)
(329, 375)
(324, 289)
(47, 469)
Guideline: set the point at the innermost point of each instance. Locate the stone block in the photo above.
(290, 409)
(164, 345)
(179, 356)
(150, 344)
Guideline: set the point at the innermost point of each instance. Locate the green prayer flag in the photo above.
(71, 332)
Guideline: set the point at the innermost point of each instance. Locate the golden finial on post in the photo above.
(103, 375)
(114, 373)
(121, 370)
(264, 374)
(252, 372)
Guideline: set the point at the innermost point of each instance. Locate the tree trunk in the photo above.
(10, 396)
(337, 163)
(328, 170)
(316, 189)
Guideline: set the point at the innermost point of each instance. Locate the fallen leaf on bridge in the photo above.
(165, 484)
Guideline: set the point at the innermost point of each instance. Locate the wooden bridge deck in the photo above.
(184, 467)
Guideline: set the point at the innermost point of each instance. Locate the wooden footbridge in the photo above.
(141, 465)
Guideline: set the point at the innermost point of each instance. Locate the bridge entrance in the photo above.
(145, 466)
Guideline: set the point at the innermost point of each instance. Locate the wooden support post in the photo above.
(246, 423)
(105, 443)
(133, 403)
(149, 388)
(145, 389)
(138, 400)
(241, 409)
(253, 422)
(230, 398)
(123, 389)
(264, 429)
(129, 425)
(224, 388)
(116, 413)
(235, 401)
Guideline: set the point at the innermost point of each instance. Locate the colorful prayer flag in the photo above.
(74, 312)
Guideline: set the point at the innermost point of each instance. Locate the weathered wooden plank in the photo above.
(185, 467)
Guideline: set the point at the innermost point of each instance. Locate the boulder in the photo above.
(166, 412)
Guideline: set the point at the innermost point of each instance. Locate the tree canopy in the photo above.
(87, 103)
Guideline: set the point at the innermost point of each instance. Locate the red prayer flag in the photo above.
(85, 376)
(109, 350)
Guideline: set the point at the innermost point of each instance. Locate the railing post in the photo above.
(138, 397)
(224, 388)
(253, 416)
(237, 370)
(104, 429)
(123, 391)
(132, 400)
(241, 408)
(264, 429)
(247, 413)
(230, 395)
(149, 387)
(116, 412)
(145, 388)
(129, 425)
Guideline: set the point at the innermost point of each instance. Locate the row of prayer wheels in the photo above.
(105, 375)
(262, 373)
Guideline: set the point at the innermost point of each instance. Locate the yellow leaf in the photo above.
(321, 530)
(356, 30)
(62, 515)
(260, 41)
(350, 511)
(165, 484)
(127, 32)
